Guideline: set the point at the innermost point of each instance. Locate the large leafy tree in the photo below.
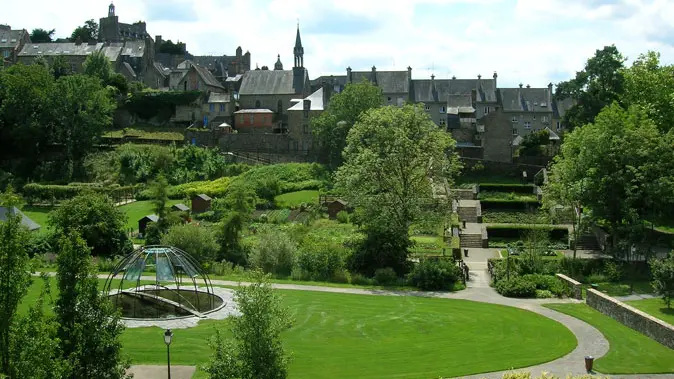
(40, 35)
(98, 221)
(344, 110)
(98, 66)
(650, 86)
(255, 350)
(87, 32)
(82, 109)
(14, 273)
(599, 84)
(89, 325)
(60, 67)
(395, 159)
(663, 278)
(621, 168)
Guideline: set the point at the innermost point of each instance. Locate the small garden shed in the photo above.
(335, 207)
(201, 203)
(145, 221)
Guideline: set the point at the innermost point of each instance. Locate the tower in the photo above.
(278, 66)
(299, 50)
(111, 10)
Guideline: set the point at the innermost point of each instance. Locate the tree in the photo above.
(81, 111)
(255, 350)
(89, 325)
(621, 183)
(98, 221)
(159, 192)
(198, 241)
(40, 35)
(34, 347)
(239, 202)
(344, 110)
(60, 67)
(663, 278)
(275, 252)
(650, 86)
(169, 47)
(98, 66)
(14, 272)
(85, 33)
(395, 159)
(599, 84)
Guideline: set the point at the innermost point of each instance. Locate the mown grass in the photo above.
(359, 336)
(39, 215)
(295, 199)
(139, 209)
(630, 352)
(654, 307)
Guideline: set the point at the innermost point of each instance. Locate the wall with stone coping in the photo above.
(576, 287)
(632, 317)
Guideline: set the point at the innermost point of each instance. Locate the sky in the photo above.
(532, 42)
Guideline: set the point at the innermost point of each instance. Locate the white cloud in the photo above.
(529, 41)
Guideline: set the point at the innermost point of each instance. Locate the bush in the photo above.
(597, 278)
(343, 217)
(360, 280)
(107, 264)
(516, 188)
(613, 271)
(519, 205)
(433, 275)
(320, 261)
(197, 241)
(544, 294)
(39, 244)
(275, 253)
(547, 283)
(385, 276)
(516, 287)
(519, 231)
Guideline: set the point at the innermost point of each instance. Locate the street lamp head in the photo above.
(168, 336)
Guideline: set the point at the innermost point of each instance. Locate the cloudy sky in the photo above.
(529, 41)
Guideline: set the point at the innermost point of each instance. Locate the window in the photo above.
(211, 108)
(427, 107)
(222, 107)
(544, 119)
(527, 124)
(252, 118)
(443, 122)
(257, 104)
(559, 125)
(389, 99)
(305, 128)
(487, 110)
(443, 109)
(515, 120)
(515, 131)
(5, 54)
(534, 117)
(241, 119)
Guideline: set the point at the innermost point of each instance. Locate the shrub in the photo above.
(360, 280)
(547, 283)
(516, 188)
(597, 278)
(275, 252)
(432, 275)
(613, 271)
(385, 276)
(107, 264)
(197, 241)
(516, 287)
(544, 294)
(39, 244)
(320, 260)
(343, 217)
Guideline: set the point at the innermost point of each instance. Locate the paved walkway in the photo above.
(161, 372)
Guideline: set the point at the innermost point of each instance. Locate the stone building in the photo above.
(275, 89)
(11, 43)
(529, 109)
(254, 121)
(395, 85)
(75, 53)
(111, 30)
(217, 110)
(299, 120)
(197, 78)
(224, 66)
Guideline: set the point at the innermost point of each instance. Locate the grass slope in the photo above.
(139, 209)
(630, 351)
(39, 215)
(358, 336)
(654, 307)
(295, 199)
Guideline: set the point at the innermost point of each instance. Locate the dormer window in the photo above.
(443, 110)
(427, 108)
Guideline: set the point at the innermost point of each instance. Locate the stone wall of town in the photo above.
(575, 286)
(632, 317)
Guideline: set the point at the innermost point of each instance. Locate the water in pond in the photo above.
(134, 306)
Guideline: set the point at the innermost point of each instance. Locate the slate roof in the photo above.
(218, 98)
(153, 218)
(161, 69)
(334, 80)
(268, 82)
(430, 91)
(526, 99)
(11, 38)
(316, 102)
(208, 77)
(517, 140)
(253, 111)
(25, 220)
(485, 89)
(127, 67)
(112, 52)
(204, 197)
(181, 207)
(559, 107)
(134, 49)
(460, 103)
(59, 48)
(388, 81)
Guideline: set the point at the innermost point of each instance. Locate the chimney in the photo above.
(327, 93)
(348, 74)
(306, 103)
(550, 87)
(550, 95)
(409, 72)
(453, 77)
(479, 77)
(528, 86)
(521, 85)
(495, 77)
(374, 75)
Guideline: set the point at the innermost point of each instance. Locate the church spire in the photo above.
(299, 50)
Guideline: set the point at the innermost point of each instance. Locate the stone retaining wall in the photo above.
(632, 317)
(576, 287)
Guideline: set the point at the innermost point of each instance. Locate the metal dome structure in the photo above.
(161, 282)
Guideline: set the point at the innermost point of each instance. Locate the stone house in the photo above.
(197, 78)
(11, 43)
(111, 30)
(254, 121)
(75, 53)
(299, 120)
(224, 66)
(395, 85)
(217, 110)
(529, 109)
(496, 140)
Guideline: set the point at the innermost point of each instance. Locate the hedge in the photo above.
(518, 231)
(35, 192)
(516, 188)
(518, 205)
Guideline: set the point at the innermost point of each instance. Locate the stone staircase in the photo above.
(588, 242)
(468, 210)
(471, 240)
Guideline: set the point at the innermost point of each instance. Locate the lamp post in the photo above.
(168, 337)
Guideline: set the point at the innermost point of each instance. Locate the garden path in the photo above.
(590, 340)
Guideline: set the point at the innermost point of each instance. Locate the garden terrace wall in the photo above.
(632, 317)
(514, 188)
(557, 233)
(515, 205)
(575, 286)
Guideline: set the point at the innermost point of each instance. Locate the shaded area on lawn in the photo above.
(654, 307)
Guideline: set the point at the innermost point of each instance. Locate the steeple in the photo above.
(299, 50)
(111, 10)
(278, 66)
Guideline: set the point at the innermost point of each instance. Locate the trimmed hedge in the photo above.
(518, 231)
(516, 188)
(516, 287)
(515, 205)
(34, 192)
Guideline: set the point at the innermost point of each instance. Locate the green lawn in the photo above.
(360, 336)
(148, 132)
(622, 289)
(139, 209)
(38, 214)
(295, 199)
(429, 245)
(654, 307)
(630, 351)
